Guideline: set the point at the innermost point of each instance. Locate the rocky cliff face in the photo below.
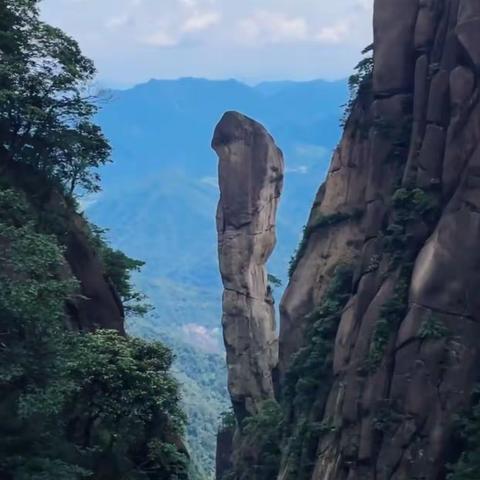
(379, 324)
(98, 304)
(251, 179)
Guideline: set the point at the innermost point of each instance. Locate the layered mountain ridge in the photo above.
(379, 332)
(147, 126)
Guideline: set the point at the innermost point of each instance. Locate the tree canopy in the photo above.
(46, 110)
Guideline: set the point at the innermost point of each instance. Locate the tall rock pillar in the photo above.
(251, 179)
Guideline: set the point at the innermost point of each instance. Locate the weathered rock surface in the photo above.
(223, 457)
(406, 348)
(251, 179)
(373, 374)
(98, 305)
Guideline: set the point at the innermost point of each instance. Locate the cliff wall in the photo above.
(97, 305)
(404, 351)
(379, 327)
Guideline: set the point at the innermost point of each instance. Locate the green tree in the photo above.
(125, 411)
(274, 281)
(33, 384)
(45, 109)
(97, 406)
(360, 82)
(119, 269)
(467, 440)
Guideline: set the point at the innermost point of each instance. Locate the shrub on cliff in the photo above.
(360, 82)
(467, 438)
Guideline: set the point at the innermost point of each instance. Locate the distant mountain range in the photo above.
(160, 194)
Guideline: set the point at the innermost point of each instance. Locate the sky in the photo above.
(132, 41)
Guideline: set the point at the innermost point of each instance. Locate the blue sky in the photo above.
(132, 41)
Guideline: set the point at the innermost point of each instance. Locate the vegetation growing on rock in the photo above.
(318, 222)
(468, 437)
(360, 82)
(96, 404)
(310, 376)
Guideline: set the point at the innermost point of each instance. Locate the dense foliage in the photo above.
(262, 438)
(202, 378)
(227, 420)
(74, 406)
(97, 405)
(125, 411)
(264, 430)
(468, 433)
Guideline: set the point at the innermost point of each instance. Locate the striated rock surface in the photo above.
(380, 324)
(400, 360)
(251, 179)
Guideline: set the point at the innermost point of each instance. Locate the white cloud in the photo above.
(170, 32)
(252, 40)
(265, 27)
(160, 38)
(302, 169)
(89, 201)
(366, 5)
(311, 151)
(188, 3)
(272, 27)
(210, 181)
(203, 338)
(335, 33)
(118, 21)
(201, 21)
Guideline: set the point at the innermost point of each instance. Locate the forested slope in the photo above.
(78, 398)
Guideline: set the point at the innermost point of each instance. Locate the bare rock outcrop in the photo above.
(251, 179)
